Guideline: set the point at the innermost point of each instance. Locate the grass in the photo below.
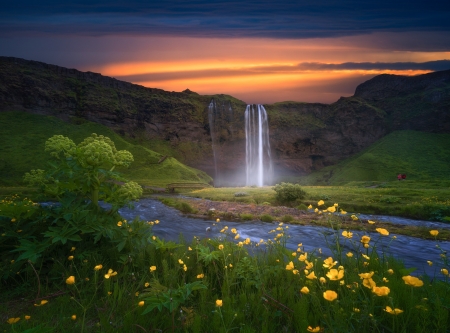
(421, 156)
(221, 285)
(408, 198)
(20, 153)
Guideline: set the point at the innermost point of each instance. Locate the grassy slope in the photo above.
(23, 139)
(419, 155)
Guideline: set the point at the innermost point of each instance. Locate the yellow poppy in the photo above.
(70, 280)
(381, 291)
(392, 311)
(315, 329)
(219, 303)
(152, 268)
(304, 290)
(382, 231)
(330, 295)
(412, 281)
(335, 275)
(434, 232)
(13, 320)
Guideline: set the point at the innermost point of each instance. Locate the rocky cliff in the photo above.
(304, 136)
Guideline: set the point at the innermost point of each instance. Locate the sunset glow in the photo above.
(260, 52)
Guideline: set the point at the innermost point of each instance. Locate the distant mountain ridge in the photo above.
(304, 137)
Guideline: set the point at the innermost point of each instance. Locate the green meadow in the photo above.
(74, 267)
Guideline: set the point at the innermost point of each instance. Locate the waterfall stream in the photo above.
(257, 147)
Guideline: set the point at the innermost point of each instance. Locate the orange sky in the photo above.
(259, 70)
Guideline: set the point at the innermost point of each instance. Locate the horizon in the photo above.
(260, 52)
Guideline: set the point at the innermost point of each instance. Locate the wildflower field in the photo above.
(72, 266)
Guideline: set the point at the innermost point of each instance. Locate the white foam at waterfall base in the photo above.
(257, 147)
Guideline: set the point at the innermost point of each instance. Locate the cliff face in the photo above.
(304, 136)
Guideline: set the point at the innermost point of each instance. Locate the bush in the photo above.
(247, 217)
(266, 218)
(185, 208)
(287, 218)
(288, 192)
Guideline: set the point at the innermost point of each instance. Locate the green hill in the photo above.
(419, 155)
(23, 137)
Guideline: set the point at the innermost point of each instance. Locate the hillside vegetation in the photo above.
(419, 155)
(23, 138)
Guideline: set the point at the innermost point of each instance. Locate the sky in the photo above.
(257, 51)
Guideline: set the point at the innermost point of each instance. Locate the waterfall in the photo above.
(212, 129)
(257, 147)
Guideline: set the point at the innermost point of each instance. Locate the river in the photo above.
(414, 252)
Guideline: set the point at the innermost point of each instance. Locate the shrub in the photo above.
(287, 218)
(185, 207)
(247, 217)
(302, 207)
(288, 192)
(266, 218)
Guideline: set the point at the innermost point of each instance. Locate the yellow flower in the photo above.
(349, 254)
(73, 249)
(354, 217)
(335, 275)
(98, 267)
(295, 271)
(217, 220)
(233, 231)
(136, 293)
(434, 232)
(385, 280)
(315, 329)
(369, 283)
(141, 303)
(219, 303)
(13, 320)
(152, 268)
(412, 281)
(330, 295)
(390, 271)
(303, 257)
(347, 234)
(74, 317)
(343, 212)
(200, 276)
(316, 210)
(381, 291)
(329, 262)
(119, 224)
(322, 280)
(310, 207)
(240, 244)
(394, 312)
(331, 209)
(189, 248)
(109, 292)
(430, 263)
(70, 280)
(13, 220)
(220, 247)
(247, 241)
(27, 317)
(320, 203)
(311, 276)
(365, 239)
(110, 273)
(371, 222)
(382, 231)
(444, 271)
(146, 284)
(290, 266)
(184, 268)
(180, 262)
(70, 258)
(237, 236)
(42, 303)
(366, 275)
(304, 290)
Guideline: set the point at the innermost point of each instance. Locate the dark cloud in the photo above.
(209, 18)
(302, 67)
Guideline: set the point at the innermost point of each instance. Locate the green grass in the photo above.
(23, 139)
(258, 290)
(419, 155)
(418, 200)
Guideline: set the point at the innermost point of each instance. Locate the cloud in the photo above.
(301, 67)
(224, 19)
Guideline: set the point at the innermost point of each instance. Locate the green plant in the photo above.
(266, 218)
(288, 192)
(287, 218)
(246, 217)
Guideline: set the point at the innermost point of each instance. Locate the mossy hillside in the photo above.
(23, 139)
(419, 155)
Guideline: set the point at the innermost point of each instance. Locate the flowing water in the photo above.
(414, 252)
(257, 146)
